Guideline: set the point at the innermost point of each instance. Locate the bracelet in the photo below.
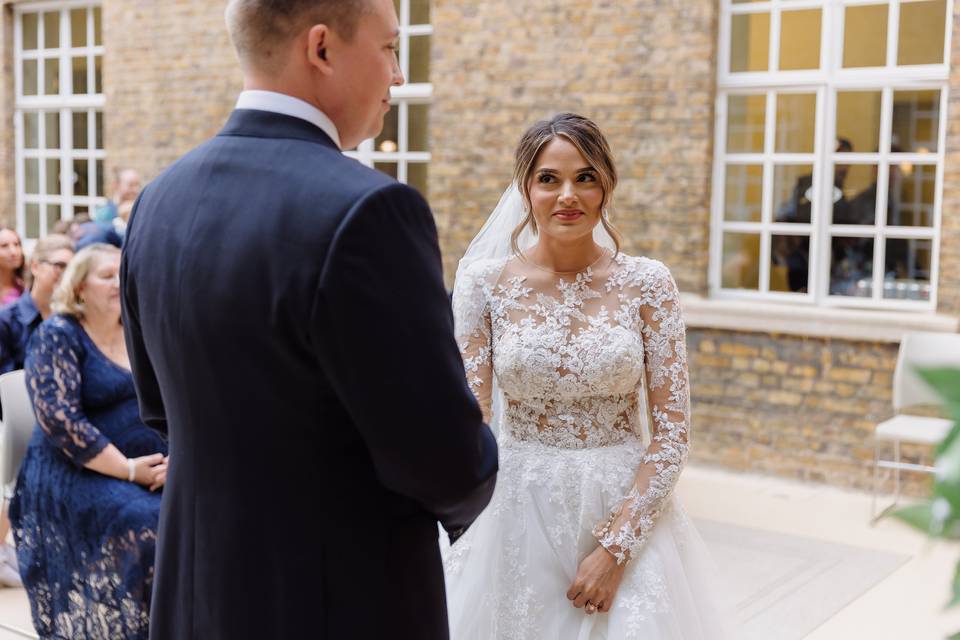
(131, 469)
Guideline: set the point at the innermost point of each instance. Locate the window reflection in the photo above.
(851, 267)
(741, 261)
(912, 197)
(907, 268)
(744, 192)
(745, 122)
(916, 120)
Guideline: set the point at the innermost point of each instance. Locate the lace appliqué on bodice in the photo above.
(569, 353)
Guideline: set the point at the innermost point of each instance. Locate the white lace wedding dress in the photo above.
(578, 358)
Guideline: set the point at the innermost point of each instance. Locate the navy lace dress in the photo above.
(85, 541)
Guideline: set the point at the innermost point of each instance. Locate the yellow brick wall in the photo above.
(170, 76)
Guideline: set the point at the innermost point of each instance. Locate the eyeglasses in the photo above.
(56, 265)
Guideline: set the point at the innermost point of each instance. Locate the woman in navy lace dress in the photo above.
(87, 503)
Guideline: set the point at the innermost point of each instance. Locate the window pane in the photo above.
(79, 75)
(389, 168)
(419, 59)
(851, 267)
(859, 202)
(907, 269)
(33, 220)
(98, 74)
(744, 192)
(30, 26)
(31, 130)
(858, 120)
(53, 177)
(419, 11)
(922, 27)
(916, 121)
(745, 122)
(78, 27)
(30, 78)
(741, 261)
(793, 192)
(99, 129)
(51, 30)
(97, 26)
(31, 176)
(80, 137)
(51, 129)
(865, 36)
(81, 178)
(417, 176)
(418, 125)
(53, 216)
(912, 194)
(750, 42)
(796, 122)
(51, 76)
(100, 191)
(800, 40)
(388, 140)
(789, 263)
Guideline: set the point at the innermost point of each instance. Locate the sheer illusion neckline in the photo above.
(603, 254)
(100, 351)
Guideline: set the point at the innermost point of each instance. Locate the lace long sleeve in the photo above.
(626, 530)
(472, 326)
(55, 386)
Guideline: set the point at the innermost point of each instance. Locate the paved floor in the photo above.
(906, 605)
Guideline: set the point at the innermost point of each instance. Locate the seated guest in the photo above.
(86, 506)
(11, 266)
(124, 188)
(18, 320)
(17, 323)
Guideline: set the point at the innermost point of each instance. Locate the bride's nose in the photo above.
(567, 195)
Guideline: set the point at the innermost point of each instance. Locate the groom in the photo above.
(288, 328)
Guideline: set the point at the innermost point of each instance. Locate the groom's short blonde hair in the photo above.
(259, 29)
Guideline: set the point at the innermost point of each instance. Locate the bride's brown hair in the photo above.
(583, 134)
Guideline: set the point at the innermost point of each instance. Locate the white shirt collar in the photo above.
(289, 106)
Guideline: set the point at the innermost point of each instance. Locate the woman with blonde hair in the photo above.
(572, 348)
(86, 506)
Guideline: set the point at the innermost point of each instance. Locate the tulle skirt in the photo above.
(507, 577)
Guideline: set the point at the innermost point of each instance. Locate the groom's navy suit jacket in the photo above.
(288, 327)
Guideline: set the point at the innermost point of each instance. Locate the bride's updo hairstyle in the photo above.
(583, 134)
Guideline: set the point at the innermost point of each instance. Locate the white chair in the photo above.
(19, 421)
(918, 350)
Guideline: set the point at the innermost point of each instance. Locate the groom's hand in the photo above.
(598, 579)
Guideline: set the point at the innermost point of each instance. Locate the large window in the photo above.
(58, 56)
(402, 149)
(829, 151)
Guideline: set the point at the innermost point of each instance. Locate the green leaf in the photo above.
(945, 381)
(955, 600)
(955, 636)
(948, 474)
(951, 438)
(918, 516)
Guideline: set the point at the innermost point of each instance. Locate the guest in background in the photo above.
(86, 506)
(125, 188)
(19, 319)
(11, 266)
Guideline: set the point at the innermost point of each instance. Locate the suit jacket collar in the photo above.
(254, 123)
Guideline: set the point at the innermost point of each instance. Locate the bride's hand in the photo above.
(598, 579)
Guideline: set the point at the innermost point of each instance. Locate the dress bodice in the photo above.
(572, 354)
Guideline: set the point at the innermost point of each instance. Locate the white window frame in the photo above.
(65, 104)
(824, 82)
(401, 98)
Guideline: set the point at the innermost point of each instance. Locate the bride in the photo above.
(571, 347)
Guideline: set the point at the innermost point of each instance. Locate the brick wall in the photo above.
(949, 295)
(171, 79)
(803, 408)
(643, 70)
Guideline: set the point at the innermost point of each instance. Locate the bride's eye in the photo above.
(545, 178)
(586, 177)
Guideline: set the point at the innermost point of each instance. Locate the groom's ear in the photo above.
(318, 41)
